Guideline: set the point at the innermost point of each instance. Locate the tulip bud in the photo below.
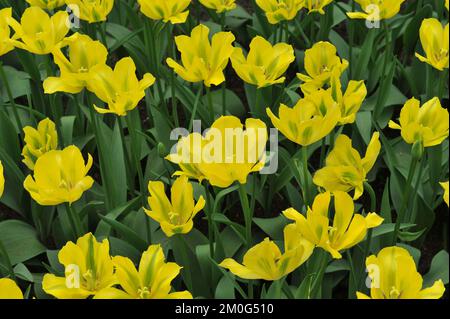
(162, 151)
(417, 150)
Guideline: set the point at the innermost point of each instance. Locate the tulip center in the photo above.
(91, 282)
(65, 184)
(175, 218)
(443, 53)
(144, 293)
(394, 293)
(83, 69)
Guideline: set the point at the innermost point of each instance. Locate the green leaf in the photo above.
(410, 236)
(23, 273)
(438, 269)
(273, 227)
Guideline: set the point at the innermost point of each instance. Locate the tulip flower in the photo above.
(38, 32)
(84, 54)
(447, 4)
(88, 269)
(176, 216)
(91, 10)
(46, 4)
(376, 10)
(119, 88)
(265, 64)
(394, 275)
(280, 10)
(174, 11)
(345, 170)
(321, 61)
(347, 229)
(219, 5)
(39, 141)
(202, 60)
(2, 180)
(5, 36)
(59, 176)
(427, 125)
(443, 185)
(151, 281)
(9, 289)
(316, 5)
(265, 260)
(434, 39)
(310, 120)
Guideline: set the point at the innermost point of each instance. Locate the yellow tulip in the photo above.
(280, 10)
(88, 269)
(6, 44)
(9, 289)
(265, 64)
(219, 5)
(84, 54)
(91, 10)
(265, 260)
(320, 62)
(174, 11)
(38, 32)
(347, 229)
(426, 125)
(434, 39)
(376, 10)
(39, 141)
(151, 281)
(2, 180)
(310, 120)
(202, 60)
(59, 176)
(176, 216)
(345, 170)
(394, 275)
(47, 4)
(443, 185)
(119, 88)
(447, 4)
(316, 5)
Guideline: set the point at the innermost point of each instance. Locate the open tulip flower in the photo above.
(176, 216)
(173, 11)
(88, 269)
(47, 4)
(60, 176)
(6, 44)
(344, 169)
(316, 5)
(445, 188)
(91, 11)
(310, 120)
(426, 125)
(321, 62)
(119, 88)
(151, 281)
(394, 275)
(265, 64)
(376, 10)
(9, 289)
(37, 32)
(219, 5)
(434, 38)
(39, 141)
(203, 60)
(84, 54)
(265, 260)
(280, 10)
(346, 230)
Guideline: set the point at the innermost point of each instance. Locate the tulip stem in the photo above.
(352, 288)
(172, 80)
(210, 104)
(11, 99)
(126, 155)
(74, 220)
(406, 194)
(305, 176)
(416, 187)
(134, 153)
(248, 214)
(318, 279)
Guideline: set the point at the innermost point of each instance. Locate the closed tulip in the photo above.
(6, 44)
(280, 10)
(173, 11)
(265, 260)
(444, 187)
(39, 141)
(47, 4)
(265, 64)
(344, 169)
(316, 5)
(376, 10)
(120, 89)
(203, 60)
(321, 61)
(152, 280)
(394, 275)
(219, 5)
(2, 180)
(427, 125)
(88, 269)
(59, 177)
(9, 289)
(175, 216)
(75, 71)
(91, 10)
(434, 39)
(345, 231)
